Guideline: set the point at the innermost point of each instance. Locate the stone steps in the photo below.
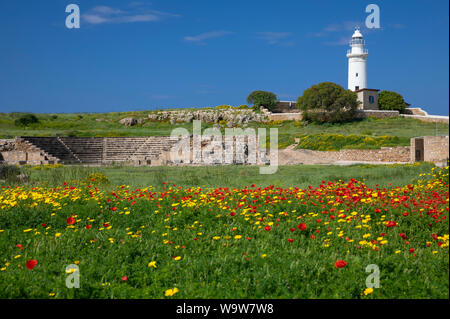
(98, 150)
(50, 147)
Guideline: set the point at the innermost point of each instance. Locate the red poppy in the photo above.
(267, 228)
(290, 240)
(292, 229)
(114, 208)
(70, 220)
(20, 246)
(301, 226)
(340, 264)
(411, 250)
(402, 235)
(88, 226)
(31, 263)
(124, 278)
(391, 223)
(44, 225)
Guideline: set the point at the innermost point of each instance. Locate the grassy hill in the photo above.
(395, 131)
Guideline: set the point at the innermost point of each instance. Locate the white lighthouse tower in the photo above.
(357, 76)
(357, 58)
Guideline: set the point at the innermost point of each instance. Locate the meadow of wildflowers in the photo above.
(248, 242)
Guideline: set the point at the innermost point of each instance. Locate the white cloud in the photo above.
(139, 18)
(94, 19)
(341, 33)
(106, 10)
(106, 14)
(205, 36)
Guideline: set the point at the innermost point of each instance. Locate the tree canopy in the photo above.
(388, 100)
(263, 98)
(328, 102)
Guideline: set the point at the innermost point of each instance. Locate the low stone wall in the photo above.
(285, 116)
(232, 116)
(379, 114)
(429, 118)
(385, 154)
(22, 157)
(297, 116)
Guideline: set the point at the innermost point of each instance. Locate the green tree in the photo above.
(263, 98)
(328, 102)
(388, 100)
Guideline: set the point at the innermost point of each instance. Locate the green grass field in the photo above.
(229, 176)
(225, 232)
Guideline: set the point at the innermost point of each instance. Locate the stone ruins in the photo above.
(155, 151)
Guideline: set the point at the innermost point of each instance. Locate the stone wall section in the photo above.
(385, 154)
(435, 148)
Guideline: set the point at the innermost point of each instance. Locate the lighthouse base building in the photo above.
(368, 99)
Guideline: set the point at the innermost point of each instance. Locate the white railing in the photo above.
(363, 51)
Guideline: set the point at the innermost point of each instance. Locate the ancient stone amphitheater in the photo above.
(86, 150)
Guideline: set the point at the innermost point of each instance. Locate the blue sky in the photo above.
(139, 55)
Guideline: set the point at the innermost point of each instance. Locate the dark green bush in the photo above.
(328, 102)
(391, 101)
(8, 172)
(262, 98)
(26, 119)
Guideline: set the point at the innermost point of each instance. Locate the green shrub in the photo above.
(328, 102)
(391, 101)
(26, 119)
(243, 106)
(262, 98)
(8, 172)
